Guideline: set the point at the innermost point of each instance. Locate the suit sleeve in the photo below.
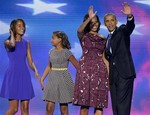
(129, 26)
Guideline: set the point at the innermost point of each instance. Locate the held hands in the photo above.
(42, 84)
(39, 79)
(91, 13)
(126, 9)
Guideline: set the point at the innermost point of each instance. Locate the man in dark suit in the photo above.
(122, 72)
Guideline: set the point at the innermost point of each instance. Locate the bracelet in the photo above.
(130, 16)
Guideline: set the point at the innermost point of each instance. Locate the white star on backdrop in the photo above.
(147, 2)
(77, 50)
(41, 7)
(135, 32)
(4, 28)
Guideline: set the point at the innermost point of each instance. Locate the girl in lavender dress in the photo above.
(91, 84)
(17, 84)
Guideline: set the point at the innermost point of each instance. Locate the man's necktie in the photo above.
(109, 43)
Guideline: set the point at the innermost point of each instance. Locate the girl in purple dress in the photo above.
(91, 84)
(17, 84)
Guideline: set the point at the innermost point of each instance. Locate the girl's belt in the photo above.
(59, 69)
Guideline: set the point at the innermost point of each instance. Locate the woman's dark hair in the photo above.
(87, 28)
(13, 26)
(62, 35)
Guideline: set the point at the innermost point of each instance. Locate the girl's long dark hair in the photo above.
(13, 26)
(87, 28)
(62, 35)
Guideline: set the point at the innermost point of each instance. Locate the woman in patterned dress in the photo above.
(91, 84)
(17, 85)
(59, 87)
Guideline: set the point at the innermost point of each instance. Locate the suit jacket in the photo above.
(121, 56)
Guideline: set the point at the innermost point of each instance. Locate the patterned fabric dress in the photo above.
(91, 84)
(59, 87)
(17, 80)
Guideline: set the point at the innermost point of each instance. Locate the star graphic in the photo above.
(77, 50)
(41, 7)
(4, 28)
(135, 32)
(147, 2)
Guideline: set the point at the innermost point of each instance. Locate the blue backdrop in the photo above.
(42, 17)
